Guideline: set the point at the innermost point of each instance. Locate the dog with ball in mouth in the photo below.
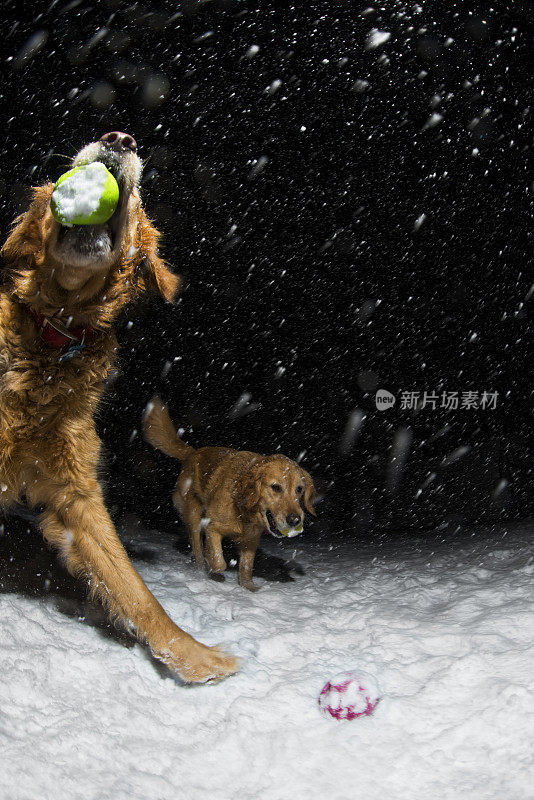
(222, 492)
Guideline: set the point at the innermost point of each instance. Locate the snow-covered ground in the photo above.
(447, 628)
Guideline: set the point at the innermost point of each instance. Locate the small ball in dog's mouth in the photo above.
(274, 530)
(86, 195)
(290, 532)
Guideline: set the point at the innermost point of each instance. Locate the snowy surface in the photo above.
(444, 622)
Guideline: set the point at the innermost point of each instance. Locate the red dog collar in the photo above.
(55, 334)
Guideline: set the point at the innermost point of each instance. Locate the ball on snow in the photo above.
(349, 695)
(86, 195)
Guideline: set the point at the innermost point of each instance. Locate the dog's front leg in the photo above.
(214, 553)
(77, 522)
(246, 563)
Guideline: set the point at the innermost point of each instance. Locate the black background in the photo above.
(309, 283)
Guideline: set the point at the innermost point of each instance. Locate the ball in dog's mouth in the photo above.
(86, 195)
(274, 530)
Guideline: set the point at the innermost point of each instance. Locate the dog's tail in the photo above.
(161, 433)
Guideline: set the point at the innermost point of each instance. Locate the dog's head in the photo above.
(276, 492)
(78, 256)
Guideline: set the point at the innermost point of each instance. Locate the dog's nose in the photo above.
(119, 141)
(293, 520)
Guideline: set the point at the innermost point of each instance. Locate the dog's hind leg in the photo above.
(190, 509)
(77, 522)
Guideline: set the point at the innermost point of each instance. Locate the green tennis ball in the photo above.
(290, 532)
(86, 195)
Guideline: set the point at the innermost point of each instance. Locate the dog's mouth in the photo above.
(280, 533)
(95, 241)
(83, 244)
(272, 527)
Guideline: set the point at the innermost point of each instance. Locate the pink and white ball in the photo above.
(350, 695)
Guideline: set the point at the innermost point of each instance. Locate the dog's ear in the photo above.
(309, 494)
(248, 489)
(25, 239)
(150, 271)
(151, 275)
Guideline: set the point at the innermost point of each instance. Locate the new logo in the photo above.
(384, 399)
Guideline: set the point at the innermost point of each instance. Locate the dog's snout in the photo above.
(293, 520)
(119, 141)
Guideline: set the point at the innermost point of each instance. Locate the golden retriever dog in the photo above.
(233, 493)
(62, 289)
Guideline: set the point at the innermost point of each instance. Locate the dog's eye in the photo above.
(299, 489)
(276, 487)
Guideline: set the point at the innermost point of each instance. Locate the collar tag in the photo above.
(73, 350)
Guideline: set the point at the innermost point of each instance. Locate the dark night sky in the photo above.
(347, 217)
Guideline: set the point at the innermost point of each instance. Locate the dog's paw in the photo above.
(249, 586)
(201, 664)
(212, 666)
(218, 577)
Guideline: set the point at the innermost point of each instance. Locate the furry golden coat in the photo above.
(78, 279)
